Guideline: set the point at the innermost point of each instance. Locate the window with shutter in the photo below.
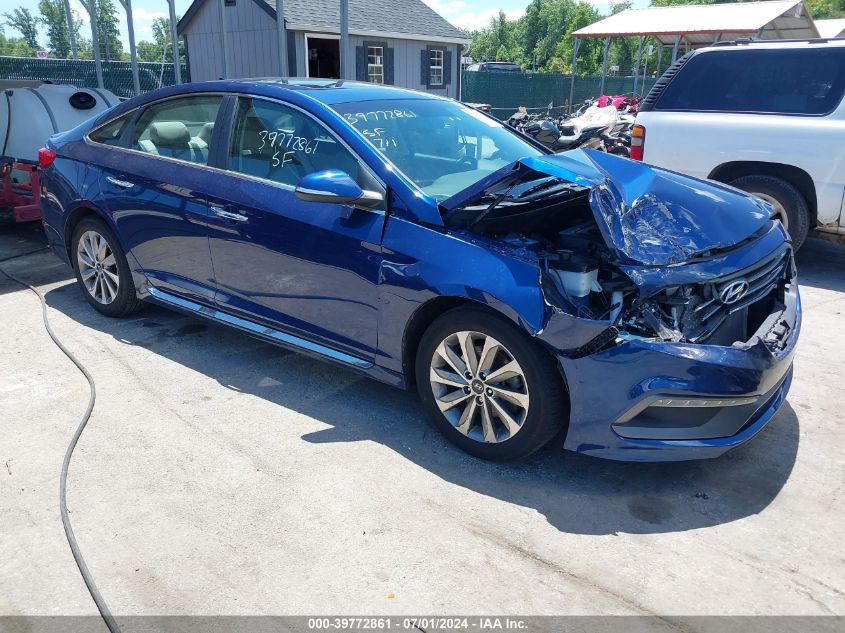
(434, 60)
(375, 64)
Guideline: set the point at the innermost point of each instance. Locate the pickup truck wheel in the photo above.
(788, 205)
(489, 388)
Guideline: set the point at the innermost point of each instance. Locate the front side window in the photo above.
(279, 143)
(435, 67)
(442, 146)
(807, 81)
(111, 132)
(375, 64)
(178, 128)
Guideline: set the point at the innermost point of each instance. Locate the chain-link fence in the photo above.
(117, 76)
(505, 92)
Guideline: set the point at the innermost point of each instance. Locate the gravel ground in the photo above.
(220, 475)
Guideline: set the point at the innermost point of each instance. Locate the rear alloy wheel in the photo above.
(788, 204)
(97, 267)
(487, 386)
(101, 269)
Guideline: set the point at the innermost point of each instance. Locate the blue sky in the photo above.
(469, 14)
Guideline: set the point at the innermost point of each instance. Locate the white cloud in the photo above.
(455, 11)
(80, 11)
(140, 13)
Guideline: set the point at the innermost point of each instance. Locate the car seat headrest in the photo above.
(205, 132)
(169, 133)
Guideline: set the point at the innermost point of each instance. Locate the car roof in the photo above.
(748, 44)
(326, 91)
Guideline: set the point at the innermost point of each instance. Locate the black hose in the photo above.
(111, 623)
(8, 123)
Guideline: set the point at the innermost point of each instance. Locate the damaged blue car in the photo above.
(630, 312)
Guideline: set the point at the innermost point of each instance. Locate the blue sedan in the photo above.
(636, 313)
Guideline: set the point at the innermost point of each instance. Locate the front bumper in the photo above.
(612, 391)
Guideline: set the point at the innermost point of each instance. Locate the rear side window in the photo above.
(178, 128)
(110, 133)
(777, 81)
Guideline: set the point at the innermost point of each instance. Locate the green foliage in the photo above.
(541, 39)
(108, 30)
(824, 9)
(54, 19)
(15, 46)
(22, 20)
(159, 49)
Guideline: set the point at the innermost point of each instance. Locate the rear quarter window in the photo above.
(110, 133)
(761, 81)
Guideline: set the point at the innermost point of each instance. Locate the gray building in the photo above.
(398, 42)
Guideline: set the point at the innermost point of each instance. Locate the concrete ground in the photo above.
(220, 475)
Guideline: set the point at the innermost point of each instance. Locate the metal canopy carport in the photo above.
(699, 25)
(831, 29)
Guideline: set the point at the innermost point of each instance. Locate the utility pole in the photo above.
(174, 42)
(344, 38)
(281, 37)
(71, 32)
(91, 7)
(133, 53)
(222, 13)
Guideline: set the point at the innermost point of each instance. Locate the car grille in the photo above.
(761, 279)
(727, 309)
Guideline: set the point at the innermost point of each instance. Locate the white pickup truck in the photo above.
(766, 117)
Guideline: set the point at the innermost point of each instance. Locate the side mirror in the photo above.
(336, 187)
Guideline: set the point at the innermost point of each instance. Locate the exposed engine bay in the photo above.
(583, 277)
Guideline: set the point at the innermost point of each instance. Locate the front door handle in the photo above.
(122, 184)
(229, 215)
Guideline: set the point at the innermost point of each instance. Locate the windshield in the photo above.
(442, 146)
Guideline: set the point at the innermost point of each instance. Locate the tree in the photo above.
(15, 46)
(541, 39)
(590, 49)
(823, 9)
(22, 20)
(159, 49)
(109, 30)
(54, 18)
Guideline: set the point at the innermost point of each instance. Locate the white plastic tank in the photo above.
(31, 112)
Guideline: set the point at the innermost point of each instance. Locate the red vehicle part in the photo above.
(21, 199)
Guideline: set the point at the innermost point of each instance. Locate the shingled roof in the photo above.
(385, 17)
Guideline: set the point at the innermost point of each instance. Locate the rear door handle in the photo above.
(229, 215)
(122, 184)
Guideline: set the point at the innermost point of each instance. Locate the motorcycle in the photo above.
(592, 125)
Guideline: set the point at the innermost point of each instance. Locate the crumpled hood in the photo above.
(649, 216)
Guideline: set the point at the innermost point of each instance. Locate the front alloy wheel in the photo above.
(97, 267)
(479, 386)
(487, 386)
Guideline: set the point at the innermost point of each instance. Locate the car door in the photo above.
(307, 268)
(157, 194)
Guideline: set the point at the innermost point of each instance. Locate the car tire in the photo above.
(102, 272)
(494, 414)
(787, 201)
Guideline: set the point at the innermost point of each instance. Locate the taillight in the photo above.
(637, 141)
(46, 157)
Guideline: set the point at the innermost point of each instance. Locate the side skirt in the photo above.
(277, 337)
